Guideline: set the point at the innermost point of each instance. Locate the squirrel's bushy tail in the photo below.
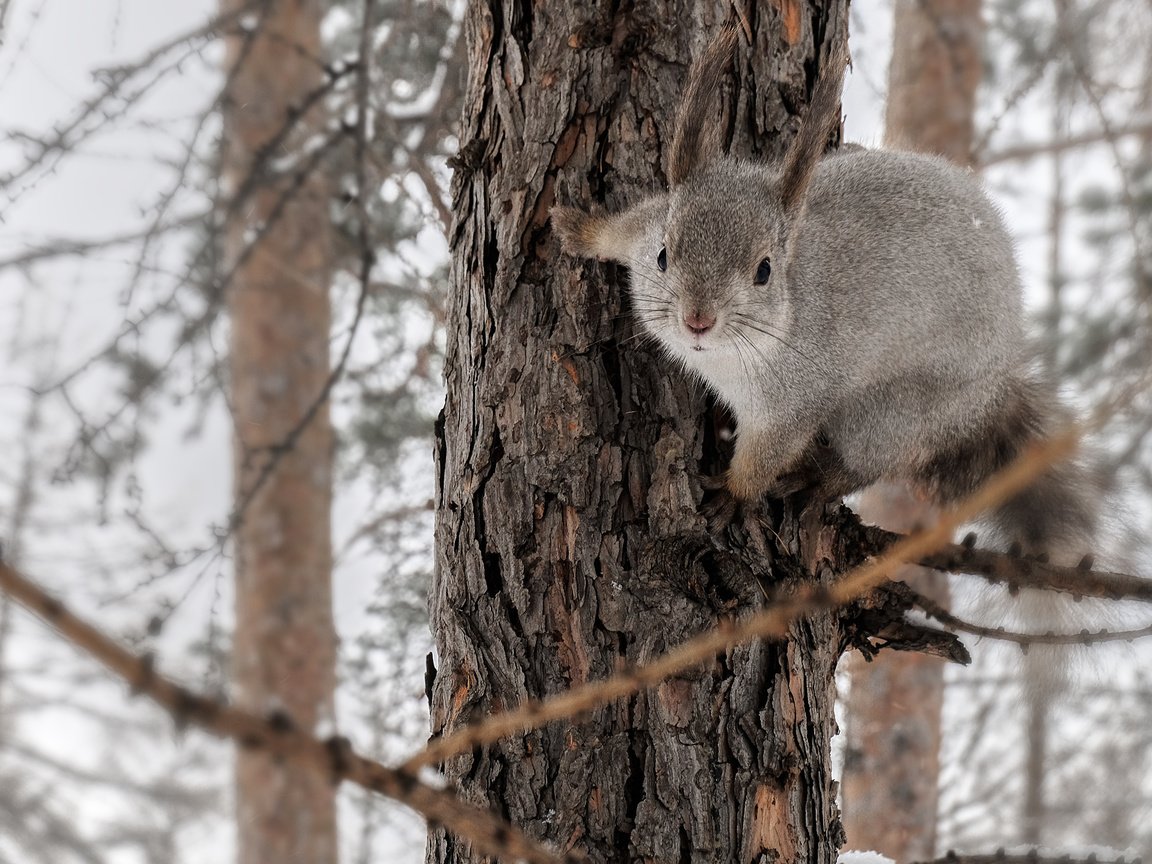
(1058, 514)
(1057, 517)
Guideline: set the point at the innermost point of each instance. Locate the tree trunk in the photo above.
(892, 769)
(568, 538)
(892, 719)
(937, 60)
(1034, 811)
(284, 645)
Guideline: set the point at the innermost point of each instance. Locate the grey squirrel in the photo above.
(859, 313)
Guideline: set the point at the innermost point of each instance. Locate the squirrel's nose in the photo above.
(699, 322)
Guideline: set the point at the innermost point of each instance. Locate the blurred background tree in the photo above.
(894, 705)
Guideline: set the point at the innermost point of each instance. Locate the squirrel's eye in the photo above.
(662, 259)
(763, 272)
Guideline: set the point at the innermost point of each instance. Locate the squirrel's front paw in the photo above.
(749, 476)
(713, 482)
(724, 509)
(721, 510)
(735, 484)
(732, 498)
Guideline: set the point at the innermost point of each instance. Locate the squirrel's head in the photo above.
(707, 257)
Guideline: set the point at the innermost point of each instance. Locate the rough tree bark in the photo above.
(568, 540)
(284, 645)
(893, 709)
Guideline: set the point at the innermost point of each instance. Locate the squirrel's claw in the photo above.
(724, 507)
(714, 482)
(721, 511)
(725, 510)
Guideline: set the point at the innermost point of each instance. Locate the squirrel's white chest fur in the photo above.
(745, 387)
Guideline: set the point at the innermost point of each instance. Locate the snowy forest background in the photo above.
(116, 489)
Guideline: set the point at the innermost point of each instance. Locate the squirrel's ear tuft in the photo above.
(823, 117)
(698, 137)
(579, 232)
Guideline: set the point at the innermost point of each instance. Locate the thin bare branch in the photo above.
(276, 734)
(1014, 570)
(1084, 637)
(67, 135)
(1032, 149)
(63, 247)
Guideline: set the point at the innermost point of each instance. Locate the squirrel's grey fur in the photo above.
(888, 342)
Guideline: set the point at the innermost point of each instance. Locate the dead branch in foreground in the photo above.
(278, 735)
